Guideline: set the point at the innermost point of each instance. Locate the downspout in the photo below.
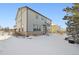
(21, 19)
(27, 22)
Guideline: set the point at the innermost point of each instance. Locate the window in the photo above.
(36, 16)
(39, 29)
(22, 29)
(42, 19)
(19, 29)
(36, 28)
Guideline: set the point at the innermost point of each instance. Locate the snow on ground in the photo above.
(54, 44)
(4, 35)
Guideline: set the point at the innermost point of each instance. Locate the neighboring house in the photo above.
(55, 28)
(30, 22)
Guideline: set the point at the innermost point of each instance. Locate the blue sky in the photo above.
(54, 11)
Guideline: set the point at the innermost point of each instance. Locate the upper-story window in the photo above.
(42, 19)
(37, 16)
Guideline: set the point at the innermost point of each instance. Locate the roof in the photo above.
(36, 12)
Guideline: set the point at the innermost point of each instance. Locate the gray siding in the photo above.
(24, 19)
(28, 20)
(35, 20)
(21, 19)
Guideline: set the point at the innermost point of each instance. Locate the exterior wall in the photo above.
(24, 19)
(21, 21)
(30, 22)
(37, 21)
(18, 20)
(34, 20)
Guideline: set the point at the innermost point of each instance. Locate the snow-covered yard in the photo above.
(44, 45)
(4, 35)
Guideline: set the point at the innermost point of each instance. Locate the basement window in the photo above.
(34, 29)
(39, 29)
